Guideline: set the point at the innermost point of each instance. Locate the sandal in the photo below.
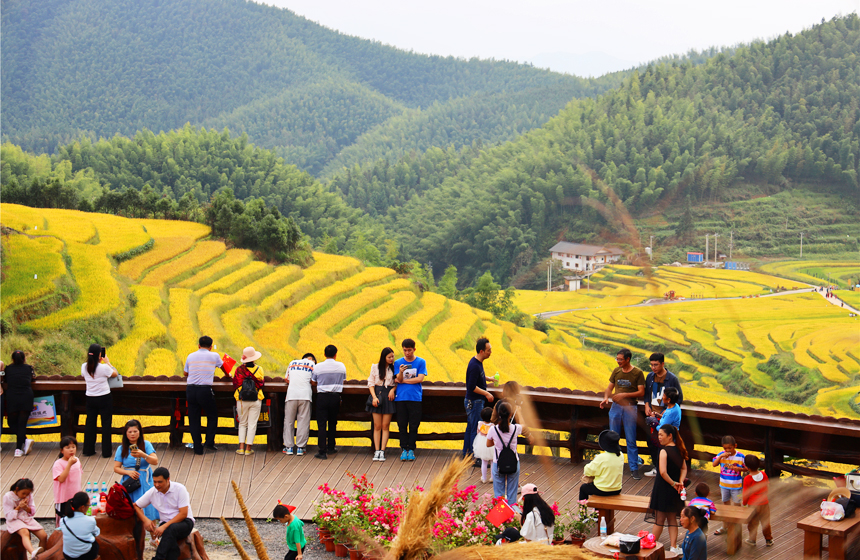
(720, 531)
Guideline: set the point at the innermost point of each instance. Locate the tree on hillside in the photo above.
(489, 296)
(448, 283)
(686, 229)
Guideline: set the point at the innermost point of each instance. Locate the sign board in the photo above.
(44, 413)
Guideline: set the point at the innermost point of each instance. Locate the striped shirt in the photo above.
(200, 366)
(731, 470)
(329, 376)
(705, 505)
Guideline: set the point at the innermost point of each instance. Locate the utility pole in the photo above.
(651, 244)
(731, 242)
(707, 247)
(549, 276)
(716, 259)
(801, 243)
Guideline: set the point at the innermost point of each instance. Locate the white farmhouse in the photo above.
(581, 258)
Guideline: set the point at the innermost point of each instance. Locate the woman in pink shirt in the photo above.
(67, 475)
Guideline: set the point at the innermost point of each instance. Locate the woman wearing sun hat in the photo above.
(248, 404)
(605, 470)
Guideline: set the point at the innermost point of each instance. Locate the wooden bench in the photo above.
(838, 534)
(733, 517)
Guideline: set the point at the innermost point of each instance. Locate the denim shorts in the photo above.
(731, 494)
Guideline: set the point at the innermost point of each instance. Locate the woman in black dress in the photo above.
(19, 400)
(666, 503)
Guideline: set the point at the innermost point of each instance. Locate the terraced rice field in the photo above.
(186, 285)
(619, 286)
(816, 272)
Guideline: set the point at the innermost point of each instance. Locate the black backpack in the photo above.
(248, 390)
(506, 462)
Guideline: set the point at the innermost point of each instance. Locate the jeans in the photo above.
(506, 484)
(473, 416)
(626, 415)
(201, 398)
(328, 407)
(168, 548)
(408, 420)
(98, 406)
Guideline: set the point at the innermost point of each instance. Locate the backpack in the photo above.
(507, 462)
(248, 390)
(118, 504)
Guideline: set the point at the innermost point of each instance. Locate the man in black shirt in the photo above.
(476, 392)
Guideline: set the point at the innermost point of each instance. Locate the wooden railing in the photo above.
(576, 414)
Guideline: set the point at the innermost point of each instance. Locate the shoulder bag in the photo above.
(131, 484)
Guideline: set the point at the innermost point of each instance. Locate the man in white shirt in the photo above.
(329, 376)
(173, 504)
(297, 409)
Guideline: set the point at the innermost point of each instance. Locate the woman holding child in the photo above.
(666, 503)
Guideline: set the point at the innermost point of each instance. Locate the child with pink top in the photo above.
(20, 507)
(67, 475)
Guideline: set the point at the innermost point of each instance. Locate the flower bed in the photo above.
(367, 516)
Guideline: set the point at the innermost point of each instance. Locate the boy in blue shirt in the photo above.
(295, 531)
(411, 371)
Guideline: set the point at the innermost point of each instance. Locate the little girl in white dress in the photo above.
(479, 446)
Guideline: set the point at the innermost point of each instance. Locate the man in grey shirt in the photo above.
(329, 376)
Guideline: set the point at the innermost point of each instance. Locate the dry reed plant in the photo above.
(238, 544)
(262, 553)
(413, 536)
(524, 551)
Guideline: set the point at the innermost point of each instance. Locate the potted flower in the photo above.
(581, 522)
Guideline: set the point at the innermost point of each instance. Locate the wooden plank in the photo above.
(221, 488)
(220, 461)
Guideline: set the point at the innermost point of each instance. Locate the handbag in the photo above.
(131, 484)
(115, 382)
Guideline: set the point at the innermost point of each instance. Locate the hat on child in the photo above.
(529, 489)
(608, 441)
(511, 534)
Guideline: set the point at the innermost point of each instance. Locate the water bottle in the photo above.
(603, 527)
(94, 497)
(104, 487)
(683, 494)
(90, 489)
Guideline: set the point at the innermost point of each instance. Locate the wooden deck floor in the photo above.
(266, 477)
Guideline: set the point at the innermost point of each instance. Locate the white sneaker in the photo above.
(677, 550)
(19, 453)
(381, 456)
(28, 445)
(483, 480)
(376, 455)
(652, 472)
(35, 552)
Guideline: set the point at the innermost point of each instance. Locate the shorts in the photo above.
(731, 495)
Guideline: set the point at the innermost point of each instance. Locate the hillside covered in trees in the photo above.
(757, 121)
(105, 67)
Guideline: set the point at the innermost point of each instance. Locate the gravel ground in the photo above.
(219, 547)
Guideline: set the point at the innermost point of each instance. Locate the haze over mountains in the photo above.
(478, 163)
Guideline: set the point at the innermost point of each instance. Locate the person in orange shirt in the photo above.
(755, 495)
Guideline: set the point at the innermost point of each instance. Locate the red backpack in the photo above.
(118, 503)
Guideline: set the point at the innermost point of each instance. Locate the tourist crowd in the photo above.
(493, 428)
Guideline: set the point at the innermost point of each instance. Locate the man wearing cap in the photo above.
(200, 370)
(606, 469)
(248, 405)
(295, 530)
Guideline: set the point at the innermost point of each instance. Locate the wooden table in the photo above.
(734, 517)
(656, 553)
(838, 533)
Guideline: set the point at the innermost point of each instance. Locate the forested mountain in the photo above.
(770, 113)
(102, 67)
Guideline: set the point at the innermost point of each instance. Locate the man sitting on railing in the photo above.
(173, 503)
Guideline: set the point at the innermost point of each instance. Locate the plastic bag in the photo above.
(832, 511)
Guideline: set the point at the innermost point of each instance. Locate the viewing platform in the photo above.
(269, 476)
